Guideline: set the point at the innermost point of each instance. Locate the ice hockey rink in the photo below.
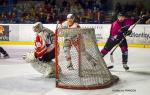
(18, 77)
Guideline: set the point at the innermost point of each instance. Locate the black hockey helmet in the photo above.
(121, 14)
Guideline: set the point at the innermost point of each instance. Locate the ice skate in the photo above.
(125, 66)
(110, 67)
(6, 56)
(70, 66)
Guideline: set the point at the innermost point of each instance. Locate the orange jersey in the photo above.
(44, 41)
(40, 48)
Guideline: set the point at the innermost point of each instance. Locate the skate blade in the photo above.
(110, 67)
(70, 68)
(127, 69)
(6, 57)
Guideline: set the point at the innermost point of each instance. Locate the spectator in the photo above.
(118, 7)
(48, 11)
(64, 3)
(148, 21)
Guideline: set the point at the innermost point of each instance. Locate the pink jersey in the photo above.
(74, 25)
(115, 27)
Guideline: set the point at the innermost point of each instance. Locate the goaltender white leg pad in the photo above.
(46, 68)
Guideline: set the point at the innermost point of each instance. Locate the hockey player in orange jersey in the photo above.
(41, 57)
(44, 43)
(74, 41)
(68, 42)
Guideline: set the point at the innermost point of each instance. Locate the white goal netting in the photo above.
(89, 69)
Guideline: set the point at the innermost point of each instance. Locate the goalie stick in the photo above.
(111, 54)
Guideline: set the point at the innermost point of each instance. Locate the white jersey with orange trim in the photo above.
(69, 42)
(74, 25)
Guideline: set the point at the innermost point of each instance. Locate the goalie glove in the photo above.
(29, 57)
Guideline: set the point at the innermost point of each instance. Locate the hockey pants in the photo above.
(3, 51)
(111, 43)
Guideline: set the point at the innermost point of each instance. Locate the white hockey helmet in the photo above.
(37, 27)
(70, 16)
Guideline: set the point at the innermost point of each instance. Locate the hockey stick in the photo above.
(111, 54)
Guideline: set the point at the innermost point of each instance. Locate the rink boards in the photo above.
(22, 34)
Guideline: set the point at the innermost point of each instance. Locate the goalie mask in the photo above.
(37, 27)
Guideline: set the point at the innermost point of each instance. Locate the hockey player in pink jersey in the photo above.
(119, 28)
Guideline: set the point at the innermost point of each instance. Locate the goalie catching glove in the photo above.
(29, 57)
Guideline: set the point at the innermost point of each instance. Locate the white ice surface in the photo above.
(18, 78)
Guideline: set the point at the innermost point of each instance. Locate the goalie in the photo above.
(41, 58)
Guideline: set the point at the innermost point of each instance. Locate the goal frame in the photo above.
(76, 87)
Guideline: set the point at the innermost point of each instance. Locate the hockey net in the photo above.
(90, 71)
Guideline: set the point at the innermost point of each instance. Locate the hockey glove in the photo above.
(113, 38)
(116, 38)
(124, 29)
(128, 32)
